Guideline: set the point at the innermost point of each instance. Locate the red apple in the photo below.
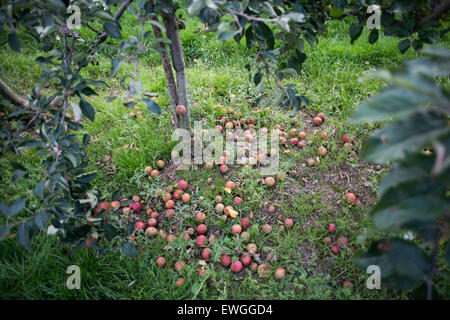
(180, 109)
(152, 222)
(246, 260)
(202, 228)
(161, 261)
(236, 266)
(350, 198)
(200, 217)
(200, 240)
(182, 184)
(236, 229)
(331, 227)
(225, 260)
(179, 266)
(335, 249)
(206, 253)
(139, 225)
(245, 223)
(237, 201)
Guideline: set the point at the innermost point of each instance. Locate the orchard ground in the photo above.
(335, 78)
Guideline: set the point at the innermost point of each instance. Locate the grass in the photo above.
(334, 78)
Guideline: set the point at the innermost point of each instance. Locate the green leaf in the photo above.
(77, 113)
(86, 139)
(104, 15)
(129, 250)
(87, 109)
(152, 106)
(264, 34)
(17, 175)
(39, 189)
(406, 135)
(3, 209)
(373, 36)
(56, 4)
(30, 144)
(195, 7)
(115, 65)
(14, 42)
(420, 208)
(257, 78)
(112, 30)
(402, 264)
(401, 175)
(110, 231)
(4, 231)
(355, 31)
(41, 219)
(161, 27)
(23, 236)
(390, 104)
(404, 45)
(17, 206)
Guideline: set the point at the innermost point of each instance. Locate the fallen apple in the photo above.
(202, 228)
(245, 223)
(288, 222)
(236, 229)
(236, 266)
(280, 273)
(186, 198)
(264, 270)
(219, 208)
(252, 248)
(206, 253)
(237, 201)
(160, 164)
(246, 260)
(350, 198)
(200, 217)
(161, 261)
(152, 222)
(269, 181)
(177, 194)
(154, 173)
(225, 260)
(179, 282)
(317, 121)
(200, 240)
(331, 227)
(223, 169)
(342, 242)
(151, 232)
(183, 185)
(139, 225)
(245, 236)
(335, 249)
(322, 151)
(267, 228)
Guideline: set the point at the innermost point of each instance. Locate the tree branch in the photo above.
(438, 11)
(117, 16)
(250, 18)
(13, 96)
(171, 85)
(176, 51)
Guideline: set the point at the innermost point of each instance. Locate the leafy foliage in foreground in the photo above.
(414, 195)
(64, 191)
